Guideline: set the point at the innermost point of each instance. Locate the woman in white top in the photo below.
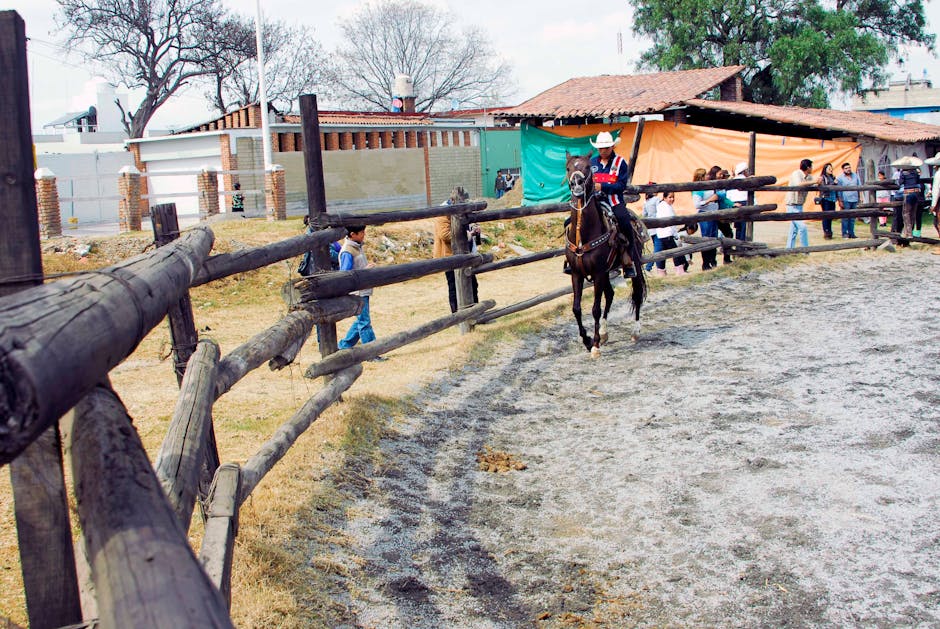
(667, 235)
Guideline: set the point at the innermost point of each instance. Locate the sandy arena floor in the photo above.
(766, 455)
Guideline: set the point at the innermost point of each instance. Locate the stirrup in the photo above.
(629, 271)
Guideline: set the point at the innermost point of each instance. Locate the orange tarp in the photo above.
(669, 153)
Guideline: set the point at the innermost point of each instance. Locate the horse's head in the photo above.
(580, 176)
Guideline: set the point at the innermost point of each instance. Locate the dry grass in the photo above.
(279, 581)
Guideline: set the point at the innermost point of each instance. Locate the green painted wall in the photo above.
(500, 148)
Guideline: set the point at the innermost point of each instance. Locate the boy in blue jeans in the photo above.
(352, 258)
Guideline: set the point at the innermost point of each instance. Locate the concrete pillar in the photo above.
(129, 205)
(207, 184)
(47, 197)
(275, 190)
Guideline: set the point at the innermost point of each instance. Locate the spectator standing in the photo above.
(724, 203)
(500, 184)
(883, 196)
(935, 194)
(443, 247)
(909, 183)
(794, 201)
(352, 258)
(706, 201)
(738, 198)
(649, 211)
(827, 199)
(238, 199)
(848, 199)
(667, 235)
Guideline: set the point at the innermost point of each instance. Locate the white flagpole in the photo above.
(265, 127)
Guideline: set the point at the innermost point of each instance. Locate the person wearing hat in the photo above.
(935, 195)
(909, 183)
(613, 180)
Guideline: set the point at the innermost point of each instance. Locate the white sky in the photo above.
(545, 42)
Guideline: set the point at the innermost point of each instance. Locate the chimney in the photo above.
(403, 94)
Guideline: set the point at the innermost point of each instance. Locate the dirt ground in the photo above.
(766, 455)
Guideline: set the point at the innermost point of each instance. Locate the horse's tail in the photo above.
(638, 295)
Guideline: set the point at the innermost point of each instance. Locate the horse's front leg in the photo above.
(608, 300)
(577, 287)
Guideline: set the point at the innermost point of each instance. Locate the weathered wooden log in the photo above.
(705, 244)
(517, 212)
(731, 214)
(896, 236)
(367, 217)
(746, 183)
(812, 216)
(284, 437)
(183, 451)
(635, 149)
(218, 542)
(261, 348)
(523, 305)
(852, 244)
(145, 573)
(727, 242)
(517, 261)
(460, 245)
(58, 340)
(888, 185)
(344, 282)
(345, 358)
(868, 206)
(288, 354)
(226, 264)
(40, 503)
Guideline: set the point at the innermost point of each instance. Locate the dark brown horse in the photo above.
(593, 250)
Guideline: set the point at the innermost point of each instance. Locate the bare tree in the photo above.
(293, 64)
(154, 44)
(390, 37)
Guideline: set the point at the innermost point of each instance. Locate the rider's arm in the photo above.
(620, 185)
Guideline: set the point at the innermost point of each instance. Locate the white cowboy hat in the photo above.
(740, 168)
(933, 161)
(907, 162)
(604, 140)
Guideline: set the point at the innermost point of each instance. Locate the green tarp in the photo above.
(543, 164)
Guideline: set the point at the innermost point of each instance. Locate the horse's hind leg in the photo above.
(577, 285)
(639, 294)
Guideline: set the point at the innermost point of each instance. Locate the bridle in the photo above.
(581, 186)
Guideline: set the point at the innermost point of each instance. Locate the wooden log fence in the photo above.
(67, 336)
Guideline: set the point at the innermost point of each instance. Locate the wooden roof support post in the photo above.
(42, 517)
(635, 150)
(751, 166)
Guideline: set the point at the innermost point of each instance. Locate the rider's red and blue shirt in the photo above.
(617, 169)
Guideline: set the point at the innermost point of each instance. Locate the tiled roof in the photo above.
(621, 95)
(365, 118)
(852, 123)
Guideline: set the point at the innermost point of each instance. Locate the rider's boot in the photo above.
(629, 270)
(566, 268)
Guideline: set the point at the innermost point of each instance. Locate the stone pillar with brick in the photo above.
(47, 197)
(129, 205)
(386, 139)
(346, 141)
(275, 189)
(375, 141)
(359, 139)
(207, 185)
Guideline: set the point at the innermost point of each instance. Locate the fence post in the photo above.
(207, 183)
(129, 205)
(276, 193)
(459, 245)
(183, 335)
(47, 195)
(42, 518)
(316, 202)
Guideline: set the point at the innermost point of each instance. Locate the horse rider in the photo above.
(610, 180)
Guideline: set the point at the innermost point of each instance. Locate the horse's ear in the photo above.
(590, 153)
(567, 155)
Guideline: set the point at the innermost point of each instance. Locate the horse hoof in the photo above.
(602, 333)
(634, 337)
(595, 352)
(603, 339)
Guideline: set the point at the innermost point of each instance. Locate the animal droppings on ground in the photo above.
(490, 460)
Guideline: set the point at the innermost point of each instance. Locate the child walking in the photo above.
(352, 258)
(667, 236)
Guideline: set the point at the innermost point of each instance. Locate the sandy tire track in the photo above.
(765, 455)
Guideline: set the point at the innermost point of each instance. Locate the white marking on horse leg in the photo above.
(636, 331)
(595, 352)
(603, 331)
